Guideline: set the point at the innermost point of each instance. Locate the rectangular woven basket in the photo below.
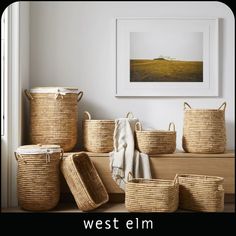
(152, 195)
(201, 193)
(84, 181)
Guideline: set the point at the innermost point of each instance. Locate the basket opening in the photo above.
(90, 178)
(152, 181)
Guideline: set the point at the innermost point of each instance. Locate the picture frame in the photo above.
(141, 70)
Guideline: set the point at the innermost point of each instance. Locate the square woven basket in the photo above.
(84, 181)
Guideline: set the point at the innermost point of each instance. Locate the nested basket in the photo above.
(54, 116)
(201, 193)
(84, 181)
(98, 134)
(204, 130)
(155, 141)
(38, 184)
(151, 195)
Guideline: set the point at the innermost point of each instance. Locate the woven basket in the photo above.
(155, 141)
(98, 134)
(204, 130)
(151, 195)
(53, 116)
(84, 181)
(38, 185)
(201, 193)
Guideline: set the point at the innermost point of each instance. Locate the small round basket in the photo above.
(155, 141)
(204, 130)
(38, 184)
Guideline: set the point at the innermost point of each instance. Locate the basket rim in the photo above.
(162, 182)
(207, 177)
(94, 120)
(203, 110)
(155, 131)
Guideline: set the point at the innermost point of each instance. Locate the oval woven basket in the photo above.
(152, 195)
(204, 130)
(155, 141)
(38, 185)
(201, 193)
(54, 116)
(84, 181)
(98, 134)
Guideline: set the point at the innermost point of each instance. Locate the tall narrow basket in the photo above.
(201, 193)
(155, 141)
(204, 130)
(38, 184)
(54, 116)
(152, 195)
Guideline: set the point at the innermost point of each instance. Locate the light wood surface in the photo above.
(166, 166)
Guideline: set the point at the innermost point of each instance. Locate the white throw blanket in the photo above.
(125, 158)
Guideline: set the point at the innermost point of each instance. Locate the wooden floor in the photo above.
(109, 207)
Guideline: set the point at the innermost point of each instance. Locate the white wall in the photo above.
(72, 44)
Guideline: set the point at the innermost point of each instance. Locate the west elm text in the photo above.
(114, 224)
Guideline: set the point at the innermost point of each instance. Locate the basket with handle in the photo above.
(151, 195)
(155, 141)
(201, 193)
(54, 115)
(84, 181)
(204, 130)
(38, 186)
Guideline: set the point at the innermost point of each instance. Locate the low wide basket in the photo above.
(151, 195)
(201, 193)
(84, 181)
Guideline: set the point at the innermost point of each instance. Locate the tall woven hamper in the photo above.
(54, 116)
(204, 130)
(201, 193)
(151, 195)
(97, 134)
(155, 141)
(38, 184)
(84, 181)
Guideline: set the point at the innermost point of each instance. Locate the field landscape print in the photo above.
(166, 57)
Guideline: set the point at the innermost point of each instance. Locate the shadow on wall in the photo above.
(230, 132)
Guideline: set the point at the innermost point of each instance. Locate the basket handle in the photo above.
(87, 115)
(130, 176)
(130, 115)
(28, 95)
(80, 95)
(176, 179)
(17, 158)
(186, 105)
(171, 125)
(62, 153)
(138, 126)
(223, 106)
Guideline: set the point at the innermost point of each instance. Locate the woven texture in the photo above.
(155, 141)
(204, 130)
(201, 193)
(84, 181)
(53, 119)
(154, 195)
(98, 134)
(38, 184)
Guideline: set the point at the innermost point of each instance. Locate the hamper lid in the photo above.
(38, 149)
(61, 90)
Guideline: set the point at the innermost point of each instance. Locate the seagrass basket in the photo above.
(201, 193)
(97, 134)
(204, 130)
(53, 116)
(151, 195)
(38, 185)
(84, 181)
(155, 141)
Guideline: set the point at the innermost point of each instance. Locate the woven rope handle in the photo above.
(87, 115)
(171, 125)
(80, 95)
(130, 176)
(176, 179)
(62, 153)
(130, 115)
(186, 105)
(17, 155)
(223, 106)
(28, 94)
(138, 126)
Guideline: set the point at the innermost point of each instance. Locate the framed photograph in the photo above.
(166, 57)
